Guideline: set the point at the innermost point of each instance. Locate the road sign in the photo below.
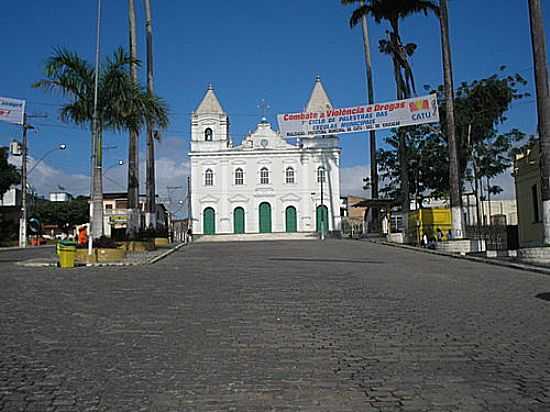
(12, 110)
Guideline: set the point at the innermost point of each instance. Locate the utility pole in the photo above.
(23, 217)
(24, 158)
(538, 40)
(322, 211)
(454, 168)
(372, 133)
(150, 206)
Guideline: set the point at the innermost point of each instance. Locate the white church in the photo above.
(265, 184)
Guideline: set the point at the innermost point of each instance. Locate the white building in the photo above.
(59, 196)
(265, 184)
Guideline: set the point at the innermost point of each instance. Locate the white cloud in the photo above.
(46, 178)
(351, 180)
(506, 181)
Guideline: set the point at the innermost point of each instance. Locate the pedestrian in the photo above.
(82, 236)
(439, 235)
(425, 240)
(189, 235)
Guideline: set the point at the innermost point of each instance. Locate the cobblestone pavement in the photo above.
(10, 255)
(276, 326)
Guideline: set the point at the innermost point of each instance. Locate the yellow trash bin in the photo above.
(66, 252)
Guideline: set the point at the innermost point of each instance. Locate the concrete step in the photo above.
(256, 237)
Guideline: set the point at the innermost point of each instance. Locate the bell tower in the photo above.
(209, 125)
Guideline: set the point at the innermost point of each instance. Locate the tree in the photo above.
(150, 201)
(393, 11)
(454, 172)
(123, 104)
(480, 110)
(373, 184)
(538, 41)
(133, 138)
(428, 159)
(486, 152)
(62, 214)
(9, 175)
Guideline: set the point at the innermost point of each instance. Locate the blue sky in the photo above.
(249, 50)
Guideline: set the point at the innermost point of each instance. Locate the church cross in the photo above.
(264, 107)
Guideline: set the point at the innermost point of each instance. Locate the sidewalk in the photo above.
(133, 259)
(489, 261)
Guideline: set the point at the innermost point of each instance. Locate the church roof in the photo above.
(209, 103)
(319, 100)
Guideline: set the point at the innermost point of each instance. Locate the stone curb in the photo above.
(156, 259)
(12, 248)
(150, 261)
(511, 265)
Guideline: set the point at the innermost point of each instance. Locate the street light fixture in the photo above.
(60, 147)
(119, 163)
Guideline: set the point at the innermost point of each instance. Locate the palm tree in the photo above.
(454, 167)
(373, 181)
(133, 139)
(538, 39)
(150, 202)
(393, 11)
(123, 104)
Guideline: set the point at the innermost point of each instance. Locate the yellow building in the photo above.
(428, 221)
(528, 194)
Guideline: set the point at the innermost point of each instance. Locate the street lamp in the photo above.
(60, 147)
(119, 163)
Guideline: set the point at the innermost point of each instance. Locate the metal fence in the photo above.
(496, 237)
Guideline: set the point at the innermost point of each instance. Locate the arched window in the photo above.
(289, 175)
(321, 174)
(239, 176)
(209, 177)
(208, 134)
(264, 176)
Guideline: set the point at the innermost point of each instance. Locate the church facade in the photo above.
(265, 184)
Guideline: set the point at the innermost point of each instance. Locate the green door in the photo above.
(322, 219)
(265, 217)
(209, 221)
(238, 220)
(290, 219)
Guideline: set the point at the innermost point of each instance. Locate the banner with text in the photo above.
(12, 110)
(418, 110)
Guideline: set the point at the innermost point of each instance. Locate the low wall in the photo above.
(461, 246)
(535, 255)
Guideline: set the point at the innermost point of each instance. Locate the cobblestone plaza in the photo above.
(276, 326)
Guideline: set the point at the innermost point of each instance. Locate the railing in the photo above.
(497, 237)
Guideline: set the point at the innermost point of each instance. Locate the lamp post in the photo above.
(24, 184)
(119, 163)
(60, 147)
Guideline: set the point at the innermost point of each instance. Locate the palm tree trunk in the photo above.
(96, 196)
(133, 140)
(489, 199)
(96, 187)
(543, 107)
(454, 173)
(150, 203)
(372, 133)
